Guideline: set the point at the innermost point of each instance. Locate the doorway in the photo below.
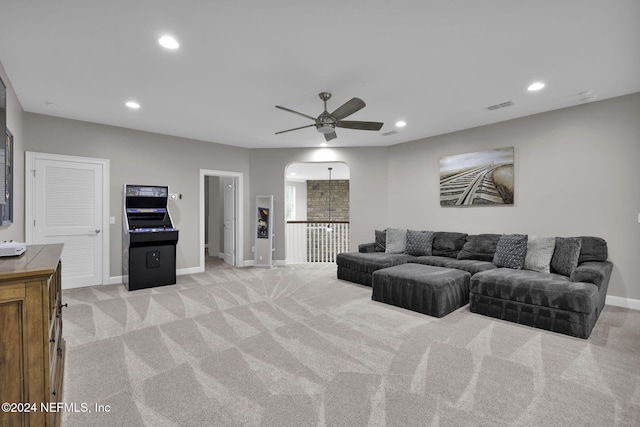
(221, 216)
(317, 208)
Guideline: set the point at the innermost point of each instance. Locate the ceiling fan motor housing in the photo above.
(326, 123)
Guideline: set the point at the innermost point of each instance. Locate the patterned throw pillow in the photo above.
(511, 251)
(419, 243)
(565, 256)
(539, 253)
(381, 240)
(396, 240)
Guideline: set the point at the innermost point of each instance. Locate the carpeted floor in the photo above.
(294, 346)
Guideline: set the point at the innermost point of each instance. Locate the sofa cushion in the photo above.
(592, 249)
(396, 240)
(447, 243)
(419, 243)
(566, 255)
(370, 262)
(480, 247)
(367, 247)
(435, 261)
(470, 265)
(511, 251)
(381, 240)
(535, 288)
(539, 253)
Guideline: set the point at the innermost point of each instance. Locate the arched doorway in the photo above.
(317, 206)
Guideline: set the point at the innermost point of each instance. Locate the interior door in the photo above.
(67, 208)
(229, 184)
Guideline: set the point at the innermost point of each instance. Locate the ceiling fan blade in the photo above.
(329, 136)
(289, 130)
(360, 125)
(348, 108)
(296, 112)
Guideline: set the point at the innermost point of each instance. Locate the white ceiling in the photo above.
(437, 65)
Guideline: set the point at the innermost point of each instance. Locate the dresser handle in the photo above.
(60, 305)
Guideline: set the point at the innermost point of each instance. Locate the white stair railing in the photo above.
(310, 241)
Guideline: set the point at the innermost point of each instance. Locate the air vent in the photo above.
(393, 132)
(501, 105)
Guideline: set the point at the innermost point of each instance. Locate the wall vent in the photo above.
(393, 132)
(501, 105)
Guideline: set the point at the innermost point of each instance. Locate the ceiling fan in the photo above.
(326, 122)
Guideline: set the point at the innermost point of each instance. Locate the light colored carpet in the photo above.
(294, 346)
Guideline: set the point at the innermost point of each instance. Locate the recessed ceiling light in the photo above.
(535, 86)
(168, 42)
(401, 123)
(132, 104)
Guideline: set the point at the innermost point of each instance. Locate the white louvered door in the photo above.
(229, 239)
(67, 208)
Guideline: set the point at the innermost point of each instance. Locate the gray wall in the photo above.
(143, 158)
(576, 173)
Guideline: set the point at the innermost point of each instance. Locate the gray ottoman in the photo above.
(435, 291)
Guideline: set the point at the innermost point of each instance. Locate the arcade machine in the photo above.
(149, 239)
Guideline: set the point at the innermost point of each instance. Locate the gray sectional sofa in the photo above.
(554, 283)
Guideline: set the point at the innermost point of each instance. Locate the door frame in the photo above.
(238, 208)
(29, 202)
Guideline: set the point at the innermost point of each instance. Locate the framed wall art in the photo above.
(6, 181)
(483, 178)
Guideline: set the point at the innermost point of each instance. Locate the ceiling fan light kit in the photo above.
(326, 128)
(326, 122)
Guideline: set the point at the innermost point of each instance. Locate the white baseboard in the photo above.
(633, 304)
(114, 280)
(191, 270)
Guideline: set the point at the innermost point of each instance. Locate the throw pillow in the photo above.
(539, 253)
(419, 243)
(511, 251)
(396, 240)
(566, 255)
(381, 240)
(480, 247)
(592, 249)
(447, 243)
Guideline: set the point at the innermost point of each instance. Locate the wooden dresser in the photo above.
(31, 344)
